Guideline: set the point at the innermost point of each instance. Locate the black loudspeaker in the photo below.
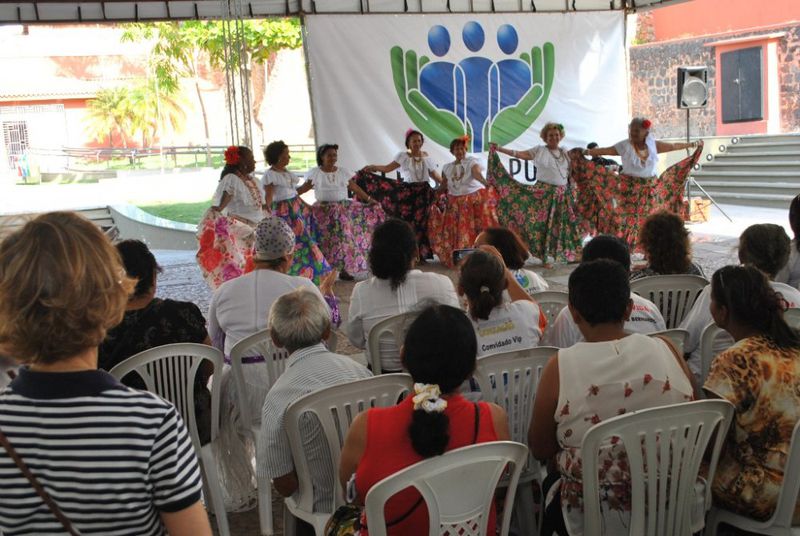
(692, 87)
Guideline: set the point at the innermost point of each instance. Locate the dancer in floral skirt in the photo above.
(464, 208)
(282, 192)
(227, 230)
(409, 200)
(618, 203)
(345, 226)
(544, 215)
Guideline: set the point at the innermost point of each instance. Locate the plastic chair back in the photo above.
(665, 447)
(169, 371)
(510, 380)
(678, 337)
(792, 317)
(713, 336)
(335, 408)
(257, 344)
(551, 302)
(395, 327)
(674, 295)
(458, 488)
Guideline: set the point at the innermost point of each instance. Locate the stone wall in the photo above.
(653, 72)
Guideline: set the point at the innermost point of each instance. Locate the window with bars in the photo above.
(15, 137)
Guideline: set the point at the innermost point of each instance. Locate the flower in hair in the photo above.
(484, 288)
(232, 155)
(465, 138)
(409, 131)
(646, 124)
(428, 398)
(560, 127)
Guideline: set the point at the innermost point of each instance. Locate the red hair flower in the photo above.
(646, 124)
(465, 139)
(232, 155)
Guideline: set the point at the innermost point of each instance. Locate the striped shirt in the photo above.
(308, 370)
(111, 457)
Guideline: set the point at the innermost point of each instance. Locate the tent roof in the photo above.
(71, 11)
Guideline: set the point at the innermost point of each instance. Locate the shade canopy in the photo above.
(71, 11)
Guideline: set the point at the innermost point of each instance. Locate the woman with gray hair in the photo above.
(639, 191)
(238, 309)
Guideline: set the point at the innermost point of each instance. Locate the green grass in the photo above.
(181, 212)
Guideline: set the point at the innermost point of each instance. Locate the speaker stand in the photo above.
(692, 181)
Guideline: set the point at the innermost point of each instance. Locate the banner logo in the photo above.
(492, 100)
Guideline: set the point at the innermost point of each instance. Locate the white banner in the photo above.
(498, 77)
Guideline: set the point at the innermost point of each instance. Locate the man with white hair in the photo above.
(299, 321)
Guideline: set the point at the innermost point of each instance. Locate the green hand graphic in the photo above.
(510, 123)
(441, 126)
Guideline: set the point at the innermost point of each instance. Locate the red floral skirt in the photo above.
(618, 204)
(226, 248)
(455, 221)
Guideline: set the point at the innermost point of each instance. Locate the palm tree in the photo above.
(109, 112)
(155, 108)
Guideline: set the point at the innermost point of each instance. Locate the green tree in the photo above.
(154, 109)
(181, 48)
(109, 113)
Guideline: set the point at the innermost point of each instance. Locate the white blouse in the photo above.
(329, 186)
(242, 202)
(459, 177)
(632, 164)
(510, 327)
(414, 169)
(285, 183)
(552, 167)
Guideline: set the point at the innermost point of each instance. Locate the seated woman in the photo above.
(345, 226)
(790, 273)
(610, 374)
(760, 376)
(666, 246)
(465, 210)
(62, 285)
(151, 322)
(514, 253)
(500, 326)
(764, 246)
(439, 353)
(394, 288)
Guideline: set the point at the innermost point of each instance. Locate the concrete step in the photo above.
(792, 146)
(765, 175)
(750, 156)
(766, 138)
(749, 187)
(779, 201)
(748, 165)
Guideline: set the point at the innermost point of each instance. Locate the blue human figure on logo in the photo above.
(475, 71)
(511, 77)
(437, 79)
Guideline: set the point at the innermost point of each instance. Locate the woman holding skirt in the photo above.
(226, 231)
(282, 192)
(345, 226)
(409, 200)
(544, 216)
(618, 203)
(464, 209)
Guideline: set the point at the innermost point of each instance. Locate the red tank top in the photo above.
(389, 450)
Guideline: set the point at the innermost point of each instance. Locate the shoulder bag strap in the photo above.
(40, 491)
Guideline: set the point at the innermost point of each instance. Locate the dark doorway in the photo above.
(741, 79)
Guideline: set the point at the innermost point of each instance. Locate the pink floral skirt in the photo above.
(345, 232)
(226, 248)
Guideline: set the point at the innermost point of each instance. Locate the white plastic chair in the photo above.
(458, 488)
(780, 524)
(674, 295)
(712, 336)
(551, 302)
(396, 327)
(335, 408)
(258, 344)
(678, 337)
(510, 380)
(663, 470)
(792, 317)
(169, 371)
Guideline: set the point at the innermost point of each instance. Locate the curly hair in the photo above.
(765, 246)
(62, 286)
(666, 243)
(551, 126)
(273, 151)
